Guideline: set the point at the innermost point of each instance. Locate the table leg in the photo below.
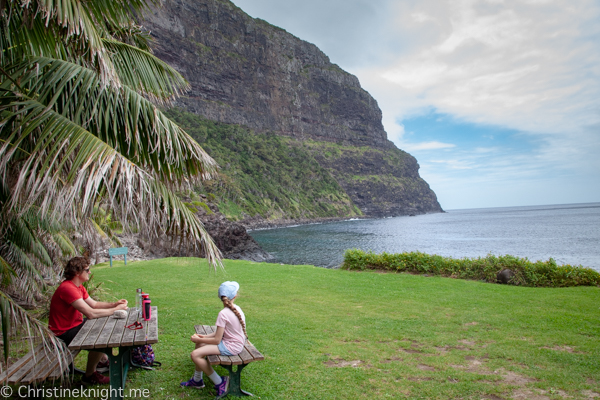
(118, 367)
(235, 378)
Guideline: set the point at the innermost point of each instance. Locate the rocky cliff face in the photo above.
(248, 72)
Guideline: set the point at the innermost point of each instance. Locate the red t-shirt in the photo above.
(63, 316)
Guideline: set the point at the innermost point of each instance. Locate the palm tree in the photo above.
(79, 126)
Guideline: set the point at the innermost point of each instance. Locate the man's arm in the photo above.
(91, 312)
(102, 305)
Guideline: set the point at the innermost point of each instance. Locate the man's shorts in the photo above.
(69, 335)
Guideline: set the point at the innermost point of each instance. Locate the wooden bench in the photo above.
(118, 251)
(37, 366)
(248, 355)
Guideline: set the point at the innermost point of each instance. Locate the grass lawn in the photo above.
(332, 334)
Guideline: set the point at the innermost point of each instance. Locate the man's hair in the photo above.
(75, 266)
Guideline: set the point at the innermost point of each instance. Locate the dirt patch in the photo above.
(471, 323)
(389, 360)
(424, 367)
(568, 349)
(492, 397)
(341, 363)
(589, 394)
(410, 351)
(475, 366)
(525, 394)
(467, 342)
(512, 378)
(446, 349)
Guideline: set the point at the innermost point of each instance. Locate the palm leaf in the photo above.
(145, 73)
(122, 118)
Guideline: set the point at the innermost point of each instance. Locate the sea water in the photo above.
(570, 234)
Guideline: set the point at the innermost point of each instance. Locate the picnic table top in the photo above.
(106, 332)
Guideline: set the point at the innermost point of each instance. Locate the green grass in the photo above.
(408, 336)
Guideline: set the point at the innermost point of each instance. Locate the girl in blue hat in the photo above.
(227, 340)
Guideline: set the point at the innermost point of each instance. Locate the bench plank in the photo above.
(153, 329)
(85, 329)
(255, 353)
(104, 337)
(66, 360)
(141, 335)
(129, 334)
(118, 330)
(19, 363)
(23, 371)
(42, 368)
(92, 336)
(245, 356)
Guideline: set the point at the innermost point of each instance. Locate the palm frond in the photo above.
(64, 243)
(145, 73)
(122, 118)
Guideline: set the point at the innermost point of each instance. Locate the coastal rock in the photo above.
(230, 237)
(505, 276)
(248, 72)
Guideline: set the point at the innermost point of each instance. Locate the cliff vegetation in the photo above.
(263, 175)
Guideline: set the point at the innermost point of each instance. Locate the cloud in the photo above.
(434, 145)
(527, 66)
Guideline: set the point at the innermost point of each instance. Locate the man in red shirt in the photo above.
(69, 302)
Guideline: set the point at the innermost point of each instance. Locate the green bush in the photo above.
(527, 273)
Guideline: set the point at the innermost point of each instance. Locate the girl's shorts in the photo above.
(224, 350)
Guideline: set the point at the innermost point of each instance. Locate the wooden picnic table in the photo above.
(110, 335)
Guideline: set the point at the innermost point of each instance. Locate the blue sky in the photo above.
(499, 100)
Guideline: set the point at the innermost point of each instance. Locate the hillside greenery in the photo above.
(264, 175)
(526, 272)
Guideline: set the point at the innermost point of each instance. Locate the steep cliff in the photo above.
(247, 72)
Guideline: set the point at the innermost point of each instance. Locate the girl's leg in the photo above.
(199, 358)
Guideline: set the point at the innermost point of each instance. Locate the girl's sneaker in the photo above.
(223, 387)
(193, 384)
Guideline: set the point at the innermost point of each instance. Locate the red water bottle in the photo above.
(146, 310)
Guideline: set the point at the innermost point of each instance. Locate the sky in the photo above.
(498, 100)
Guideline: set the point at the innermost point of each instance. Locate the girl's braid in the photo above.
(229, 305)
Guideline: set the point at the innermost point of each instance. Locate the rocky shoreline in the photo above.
(255, 224)
(232, 238)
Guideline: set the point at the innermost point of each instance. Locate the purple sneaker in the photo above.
(193, 384)
(223, 387)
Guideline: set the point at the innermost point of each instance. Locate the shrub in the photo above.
(527, 273)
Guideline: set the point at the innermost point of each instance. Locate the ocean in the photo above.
(568, 233)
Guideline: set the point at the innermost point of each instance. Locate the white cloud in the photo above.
(528, 67)
(433, 145)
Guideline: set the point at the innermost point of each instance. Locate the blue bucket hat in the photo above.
(229, 289)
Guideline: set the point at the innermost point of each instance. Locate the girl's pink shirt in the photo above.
(233, 334)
